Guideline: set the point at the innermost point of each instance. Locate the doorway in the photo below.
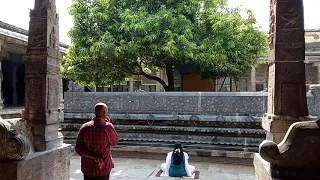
(13, 83)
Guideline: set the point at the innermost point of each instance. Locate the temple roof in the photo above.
(22, 31)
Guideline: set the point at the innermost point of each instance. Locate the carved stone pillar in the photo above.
(282, 153)
(287, 101)
(43, 108)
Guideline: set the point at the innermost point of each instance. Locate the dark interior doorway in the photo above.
(13, 92)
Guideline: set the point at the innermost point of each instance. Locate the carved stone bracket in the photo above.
(150, 119)
(220, 118)
(194, 118)
(13, 145)
(299, 148)
(175, 117)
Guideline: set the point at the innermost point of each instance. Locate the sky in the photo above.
(16, 12)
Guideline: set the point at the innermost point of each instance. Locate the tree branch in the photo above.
(161, 81)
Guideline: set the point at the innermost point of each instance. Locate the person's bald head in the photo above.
(101, 110)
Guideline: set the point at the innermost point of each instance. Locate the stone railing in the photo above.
(169, 102)
(183, 103)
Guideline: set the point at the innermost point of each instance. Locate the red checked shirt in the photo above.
(96, 137)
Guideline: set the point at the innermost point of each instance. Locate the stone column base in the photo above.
(266, 171)
(277, 126)
(48, 165)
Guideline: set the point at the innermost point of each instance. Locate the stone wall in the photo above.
(199, 103)
(228, 124)
(311, 74)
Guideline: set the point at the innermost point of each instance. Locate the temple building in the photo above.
(255, 79)
(13, 44)
(13, 47)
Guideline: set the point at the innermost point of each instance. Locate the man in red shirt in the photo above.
(93, 145)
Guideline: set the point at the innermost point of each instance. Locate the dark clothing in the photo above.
(177, 170)
(97, 178)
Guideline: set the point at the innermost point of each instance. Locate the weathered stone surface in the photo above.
(53, 164)
(299, 148)
(292, 149)
(22, 127)
(1, 77)
(186, 103)
(277, 126)
(287, 90)
(43, 84)
(14, 146)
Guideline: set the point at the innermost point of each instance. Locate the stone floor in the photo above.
(138, 169)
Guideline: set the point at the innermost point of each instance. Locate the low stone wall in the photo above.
(228, 124)
(183, 103)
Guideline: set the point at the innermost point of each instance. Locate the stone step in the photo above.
(11, 113)
(198, 146)
(244, 132)
(194, 146)
(184, 137)
(199, 121)
(194, 150)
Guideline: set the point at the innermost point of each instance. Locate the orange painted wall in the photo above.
(193, 82)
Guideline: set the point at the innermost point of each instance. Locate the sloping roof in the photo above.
(22, 31)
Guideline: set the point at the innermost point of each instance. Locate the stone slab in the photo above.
(48, 165)
(266, 171)
(139, 168)
(186, 103)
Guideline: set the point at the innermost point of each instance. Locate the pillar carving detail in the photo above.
(291, 150)
(14, 146)
(287, 102)
(43, 84)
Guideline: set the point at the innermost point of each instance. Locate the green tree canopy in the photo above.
(115, 39)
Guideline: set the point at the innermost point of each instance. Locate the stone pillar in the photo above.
(1, 77)
(253, 79)
(315, 91)
(318, 75)
(42, 76)
(287, 102)
(131, 85)
(158, 86)
(14, 84)
(43, 103)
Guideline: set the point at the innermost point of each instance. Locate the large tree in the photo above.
(115, 39)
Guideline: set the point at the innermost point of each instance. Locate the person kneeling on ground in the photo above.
(177, 163)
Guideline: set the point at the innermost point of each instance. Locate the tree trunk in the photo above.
(169, 71)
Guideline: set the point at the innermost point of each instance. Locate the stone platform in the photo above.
(52, 164)
(138, 169)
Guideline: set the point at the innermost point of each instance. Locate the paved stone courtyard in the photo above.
(138, 169)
